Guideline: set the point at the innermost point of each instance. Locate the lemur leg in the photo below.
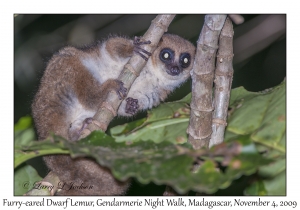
(79, 126)
(83, 130)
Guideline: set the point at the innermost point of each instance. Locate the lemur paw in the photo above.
(137, 49)
(76, 132)
(121, 90)
(132, 106)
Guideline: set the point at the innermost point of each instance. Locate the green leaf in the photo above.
(167, 122)
(23, 123)
(166, 163)
(53, 145)
(148, 148)
(177, 109)
(38, 148)
(273, 169)
(276, 185)
(274, 177)
(24, 179)
(257, 188)
(173, 130)
(23, 131)
(262, 116)
(24, 137)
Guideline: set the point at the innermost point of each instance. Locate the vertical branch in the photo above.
(131, 71)
(199, 128)
(223, 80)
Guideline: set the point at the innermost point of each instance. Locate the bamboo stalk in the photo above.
(223, 80)
(199, 128)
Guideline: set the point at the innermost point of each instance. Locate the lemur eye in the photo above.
(185, 60)
(166, 54)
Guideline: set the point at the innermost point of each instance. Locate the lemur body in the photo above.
(75, 83)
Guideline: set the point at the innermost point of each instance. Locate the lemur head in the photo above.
(174, 56)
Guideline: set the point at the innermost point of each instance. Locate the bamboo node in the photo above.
(101, 125)
(206, 47)
(219, 121)
(228, 56)
(224, 74)
(109, 108)
(199, 73)
(208, 109)
(131, 69)
(159, 24)
(198, 135)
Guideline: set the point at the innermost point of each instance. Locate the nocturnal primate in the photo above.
(76, 82)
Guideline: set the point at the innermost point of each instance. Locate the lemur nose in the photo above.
(175, 70)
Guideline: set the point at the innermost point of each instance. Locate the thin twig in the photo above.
(223, 80)
(256, 35)
(199, 128)
(237, 19)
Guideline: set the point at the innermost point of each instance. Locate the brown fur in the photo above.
(115, 49)
(63, 75)
(69, 84)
